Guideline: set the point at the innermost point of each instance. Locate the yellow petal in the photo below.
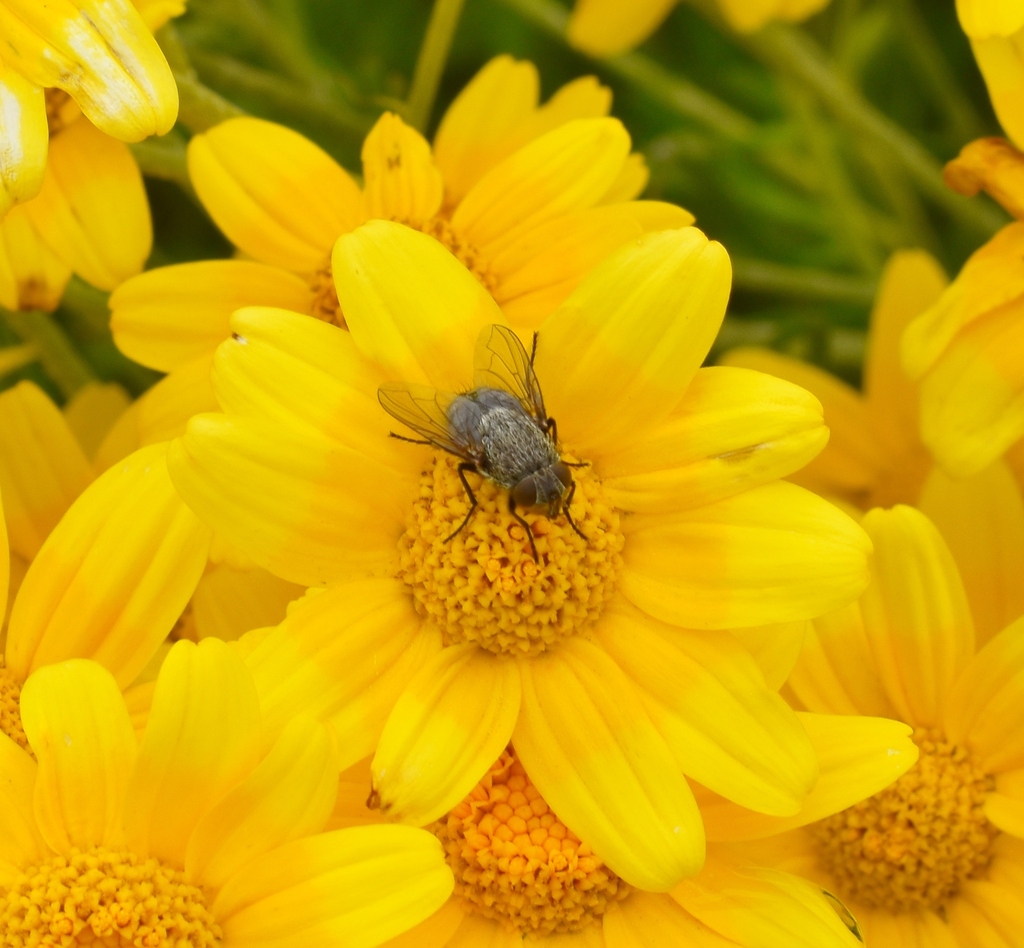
(76, 721)
(985, 914)
(343, 657)
(581, 98)
(155, 13)
(20, 841)
(93, 410)
(101, 53)
(631, 182)
(301, 505)
(5, 565)
(422, 328)
(707, 698)
(202, 739)
(618, 355)
(275, 194)
(982, 520)
(568, 169)
(166, 317)
(23, 138)
(982, 18)
(1005, 807)
(916, 617)
(42, 467)
(607, 28)
(438, 930)
(402, 183)
(228, 601)
(776, 648)
(450, 724)
(645, 919)
(31, 275)
(857, 757)
(163, 411)
(479, 932)
(733, 430)
(114, 575)
(289, 795)
(1001, 60)
(355, 887)
(92, 210)
(992, 165)
(120, 441)
(590, 748)
(776, 553)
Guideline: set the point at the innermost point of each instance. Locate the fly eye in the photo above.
(525, 492)
(563, 473)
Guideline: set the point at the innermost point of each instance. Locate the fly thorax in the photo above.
(514, 446)
(483, 585)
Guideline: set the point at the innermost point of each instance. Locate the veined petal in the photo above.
(21, 843)
(707, 698)
(479, 932)
(619, 354)
(631, 182)
(590, 748)
(733, 430)
(983, 18)
(1005, 806)
(301, 505)
(992, 165)
(438, 930)
(289, 795)
(229, 602)
(166, 317)
(422, 328)
(31, 275)
(343, 656)
(355, 887)
(776, 553)
(916, 618)
(5, 564)
(78, 727)
(92, 411)
(646, 918)
(276, 195)
(101, 53)
(155, 13)
(583, 97)
(113, 576)
(452, 722)
(163, 411)
(607, 28)
(981, 518)
(201, 740)
(986, 914)
(775, 648)
(857, 757)
(42, 467)
(401, 181)
(92, 211)
(24, 138)
(1001, 60)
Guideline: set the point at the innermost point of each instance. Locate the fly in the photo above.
(499, 429)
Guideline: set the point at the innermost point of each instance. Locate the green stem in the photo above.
(14, 357)
(801, 283)
(199, 107)
(57, 355)
(164, 158)
(437, 43)
(88, 307)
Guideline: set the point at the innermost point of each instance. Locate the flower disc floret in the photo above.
(10, 712)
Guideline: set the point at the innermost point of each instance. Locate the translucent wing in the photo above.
(425, 411)
(500, 361)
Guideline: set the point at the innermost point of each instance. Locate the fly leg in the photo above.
(525, 526)
(568, 516)
(465, 466)
(399, 437)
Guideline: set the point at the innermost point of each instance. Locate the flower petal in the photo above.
(982, 18)
(479, 932)
(229, 602)
(607, 28)
(93, 410)
(276, 195)
(24, 136)
(401, 181)
(708, 700)
(776, 648)
(355, 887)
(590, 748)
(92, 211)
(343, 656)
(163, 411)
(202, 739)
(168, 316)
(645, 919)
(776, 553)
(986, 915)
(733, 430)
(450, 724)
(991, 165)
(619, 354)
(114, 575)
(1005, 806)
(438, 930)
(20, 841)
(1001, 62)
(916, 618)
(857, 757)
(31, 275)
(78, 727)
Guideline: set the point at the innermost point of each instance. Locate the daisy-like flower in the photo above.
(933, 861)
(456, 638)
(196, 835)
(610, 27)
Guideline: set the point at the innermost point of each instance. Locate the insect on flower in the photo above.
(499, 428)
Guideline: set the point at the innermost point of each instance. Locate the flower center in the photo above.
(483, 585)
(326, 305)
(10, 708)
(442, 231)
(911, 846)
(61, 110)
(113, 897)
(515, 863)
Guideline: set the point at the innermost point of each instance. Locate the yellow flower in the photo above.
(196, 835)
(610, 27)
(456, 645)
(935, 860)
(996, 31)
(98, 53)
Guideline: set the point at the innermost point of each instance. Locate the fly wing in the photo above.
(501, 361)
(425, 411)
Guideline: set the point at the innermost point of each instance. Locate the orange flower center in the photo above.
(514, 862)
(913, 845)
(10, 708)
(483, 585)
(110, 899)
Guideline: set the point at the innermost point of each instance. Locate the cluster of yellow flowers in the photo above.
(621, 651)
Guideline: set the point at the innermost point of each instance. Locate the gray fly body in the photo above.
(499, 429)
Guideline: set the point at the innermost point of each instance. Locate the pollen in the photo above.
(913, 845)
(10, 708)
(442, 231)
(104, 898)
(514, 862)
(325, 305)
(482, 585)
